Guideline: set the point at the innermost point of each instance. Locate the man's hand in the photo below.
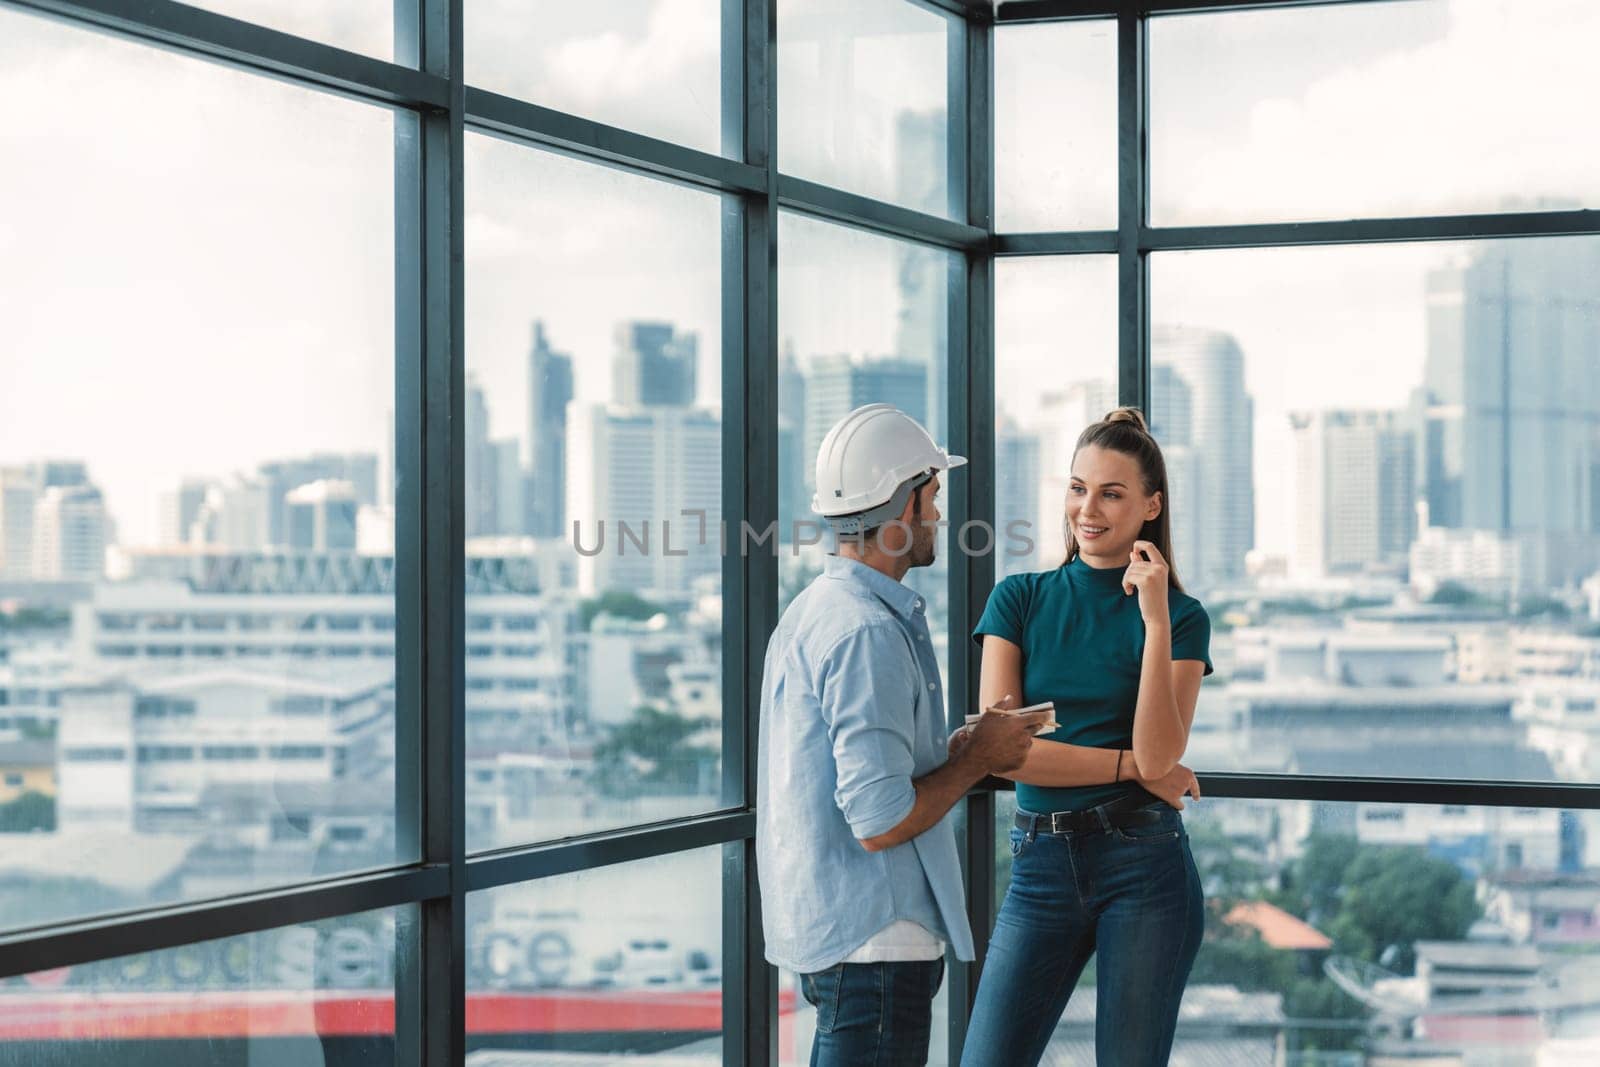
(998, 743)
(1172, 786)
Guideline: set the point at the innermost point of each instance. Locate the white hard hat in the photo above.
(865, 460)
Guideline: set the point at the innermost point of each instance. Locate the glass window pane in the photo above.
(1401, 503)
(1372, 110)
(651, 66)
(365, 26)
(197, 534)
(594, 437)
(315, 995)
(862, 99)
(862, 319)
(1348, 933)
(1055, 126)
(1055, 355)
(622, 961)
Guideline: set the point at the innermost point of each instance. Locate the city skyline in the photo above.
(336, 163)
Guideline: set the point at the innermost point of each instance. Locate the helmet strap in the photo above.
(864, 522)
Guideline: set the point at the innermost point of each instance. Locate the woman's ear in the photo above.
(1154, 509)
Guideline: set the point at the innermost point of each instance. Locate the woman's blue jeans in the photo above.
(1132, 898)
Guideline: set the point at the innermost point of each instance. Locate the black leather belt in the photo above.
(1127, 811)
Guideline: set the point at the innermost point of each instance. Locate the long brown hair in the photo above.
(1124, 430)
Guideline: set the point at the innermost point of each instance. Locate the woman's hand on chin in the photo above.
(1147, 575)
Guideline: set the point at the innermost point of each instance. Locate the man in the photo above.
(860, 884)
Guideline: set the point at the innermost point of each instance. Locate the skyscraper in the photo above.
(279, 477)
(1063, 415)
(66, 473)
(1172, 425)
(1184, 505)
(549, 393)
(236, 515)
(1353, 488)
(180, 508)
(18, 496)
(922, 274)
(1437, 405)
(654, 365)
(1510, 402)
(794, 502)
(509, 485)
(1171, 406)
(69, 534)
(1016, 494)
(482, 508)
(642, 467)
(1221, 433)
(321, 517)
(838, 384)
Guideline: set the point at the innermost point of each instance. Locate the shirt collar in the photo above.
(901, 598)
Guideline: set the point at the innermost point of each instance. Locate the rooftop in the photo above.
(1277, 927)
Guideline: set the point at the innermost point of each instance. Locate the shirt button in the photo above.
(919, 605)
(931, 686)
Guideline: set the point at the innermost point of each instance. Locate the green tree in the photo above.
(1532, 606)
(1236, 956)
(619, 603)
(28, 812)
(652, 748)
(37, 730)
(1454, 593)
(34, 618)
(1314, 884)
(1368, 898)
(1398, 896)
(1318, 1001)
(1232, 873)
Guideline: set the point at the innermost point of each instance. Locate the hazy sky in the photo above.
(201, 274)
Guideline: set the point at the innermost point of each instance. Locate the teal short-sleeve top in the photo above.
(1082, 641)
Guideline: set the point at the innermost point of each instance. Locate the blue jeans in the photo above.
(1132, 895)
(872, 1014)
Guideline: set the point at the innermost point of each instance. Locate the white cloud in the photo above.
(844, 79)
(365, 26)
(645, 65)
(581, 247)
(203, 277)
(1481, 117)
(678, 35)
(1055, 126)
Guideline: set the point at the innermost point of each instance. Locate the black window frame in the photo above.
(434, 107)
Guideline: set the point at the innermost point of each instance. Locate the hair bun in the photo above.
(1133, 415)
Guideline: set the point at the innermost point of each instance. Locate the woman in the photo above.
(1102, 864)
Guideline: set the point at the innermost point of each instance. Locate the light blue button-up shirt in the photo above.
(851, 712)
